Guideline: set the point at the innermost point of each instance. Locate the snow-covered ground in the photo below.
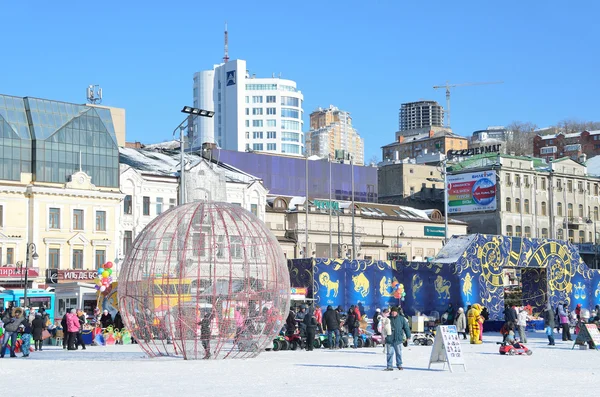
(124, 371)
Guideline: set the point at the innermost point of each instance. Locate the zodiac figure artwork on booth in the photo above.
(416, 285)
(597, 290)
(332, 286)
(385, 286)
(442, 287)
(361, 284)
(579, 290)
(467, 287)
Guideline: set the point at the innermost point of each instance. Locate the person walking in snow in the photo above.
(548, 316)
(461, 322)
(563, 318)
(376, 321)
(38, 326)
(522, 324)
(12, 320)
(205, 334)
(352, 325)
(25, 329)
(72, 329)
(331, 324)
(400, 331)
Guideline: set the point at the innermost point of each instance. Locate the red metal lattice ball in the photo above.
(204, 280)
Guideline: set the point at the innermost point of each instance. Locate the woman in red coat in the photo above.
(72, 329)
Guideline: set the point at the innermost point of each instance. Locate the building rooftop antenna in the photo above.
(94, 94)
(226, 57)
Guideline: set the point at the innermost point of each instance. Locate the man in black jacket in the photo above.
(331, 324)
(310, 322)
(510, 315)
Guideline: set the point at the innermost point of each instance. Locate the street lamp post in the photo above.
(398, 235)
(181, 127)
(306, 212)
(330, 209)
(31, 251)
(444, 164)
(353, 209)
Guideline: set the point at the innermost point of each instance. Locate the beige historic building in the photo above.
(381, 231)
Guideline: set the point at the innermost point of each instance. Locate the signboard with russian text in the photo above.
(472, 192)
(446, 348)
(437, 231)
(17, 272)
(54, 276)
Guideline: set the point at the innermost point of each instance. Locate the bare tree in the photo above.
(521, 143)
(373, 160)
(569, 126)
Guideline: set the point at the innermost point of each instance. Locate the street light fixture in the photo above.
(31, 251)
(444, 173)
(181, 127)
(398, 235)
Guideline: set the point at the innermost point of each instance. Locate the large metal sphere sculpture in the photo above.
(205, 280)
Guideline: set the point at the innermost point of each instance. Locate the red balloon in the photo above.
(108, 265)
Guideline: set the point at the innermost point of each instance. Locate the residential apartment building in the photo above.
(413, 185)
(382, 231)
(150, 182)
(557, 200)
(574, 145)
(251, 114)
(421, 114)
(413, 146)
(59, 185)
(331, 131)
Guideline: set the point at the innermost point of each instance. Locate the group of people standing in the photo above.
(16, 321)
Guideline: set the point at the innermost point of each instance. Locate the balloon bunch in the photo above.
(398, 290)
(104, 279)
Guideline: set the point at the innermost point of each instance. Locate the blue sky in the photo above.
(364, 57)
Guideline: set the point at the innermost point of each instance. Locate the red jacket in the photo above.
(72, 323)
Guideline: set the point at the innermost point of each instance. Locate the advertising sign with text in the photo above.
(472, 192)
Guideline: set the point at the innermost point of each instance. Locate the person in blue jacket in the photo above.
(400, 333)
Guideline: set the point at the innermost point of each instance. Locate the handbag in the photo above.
(45, 335)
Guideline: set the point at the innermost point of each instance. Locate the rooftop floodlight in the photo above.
(197, 112)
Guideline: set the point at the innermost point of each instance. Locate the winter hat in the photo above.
(395, 309)
(461, 310)
(386, 310)
(378, 310)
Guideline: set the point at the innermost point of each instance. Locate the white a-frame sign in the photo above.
(446, 348)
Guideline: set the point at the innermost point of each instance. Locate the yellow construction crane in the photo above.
(447, 86)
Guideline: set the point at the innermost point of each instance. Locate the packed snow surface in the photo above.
(124, 371)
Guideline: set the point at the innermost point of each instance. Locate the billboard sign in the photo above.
(472, 192)
(435, 231)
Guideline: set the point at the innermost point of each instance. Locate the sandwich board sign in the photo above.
(446, 348)
(588, 334)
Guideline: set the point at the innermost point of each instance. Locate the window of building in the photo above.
(507, 179)
(559, 184)
(271, 146)
(292, 113)
(543, 211)
(271, 134)
(257, 99)
(581, 210)
(526, 180)
(544, 232)
(509, 230)
(101, 221)
(570, 185)
(271, 111)
(290, 125)
(289, 101)
(527, 232)
(290, 136)
(127, 241)
(100, 258)
(257, 123)
(518, 205)
(257, 135)
(54, 218)
(570, 210)
(257, 146)
(571, 235)
(77, 259)
(10, 256)
(247, 123)
(271, 123)
(235, 247)
(271, 99)
(596, 189)
(517, 179)
(580, 186)
(581, 236)
(518, 231)
(257, 111)
(254, 209)
(127, 207)
(559, 234)
(526, 206)
(247, 99)
(159, 205)
(508, 206)
(146, 208)
(1, 215)
(289, 148)
(247, 111)
(559, 209)
(172, 203)
(54, 258)
(77, 219)
(596, 214)
(543, 183)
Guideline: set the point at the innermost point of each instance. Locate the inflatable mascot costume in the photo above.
(473, 318)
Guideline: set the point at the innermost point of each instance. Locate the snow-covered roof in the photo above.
(546, 137)
(595, 132)
(166, 162)
(454, 249)
(593, 166)
(572, 135)
(169, 145)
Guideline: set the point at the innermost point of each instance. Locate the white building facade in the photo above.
(258, 114)
(150, 182)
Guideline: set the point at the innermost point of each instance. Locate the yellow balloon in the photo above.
(105, 274)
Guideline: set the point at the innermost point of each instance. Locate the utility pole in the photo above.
(353, 209)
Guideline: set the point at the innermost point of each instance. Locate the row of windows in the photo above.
(259, 123)
(525, 180)
(259, 111)
(292, 113)
(260, 87)
(517, 231)
(76, 258)
(544, 209)
(128, 205)
(290, 125)
(290, 137)
(259, 135)
(260, 146)
(290, 101)
(289, 148)
(259, 99)
(54, 219)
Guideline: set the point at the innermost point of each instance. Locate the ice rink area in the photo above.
(125, 371)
